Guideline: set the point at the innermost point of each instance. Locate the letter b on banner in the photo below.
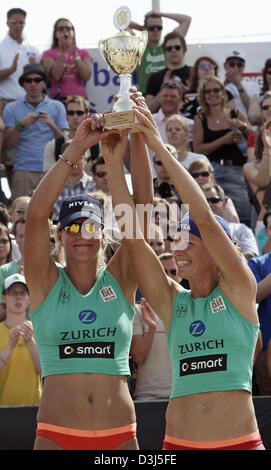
(101, 77)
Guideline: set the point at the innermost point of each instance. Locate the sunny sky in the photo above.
(212, 20)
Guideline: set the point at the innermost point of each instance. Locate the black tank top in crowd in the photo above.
(225, 152)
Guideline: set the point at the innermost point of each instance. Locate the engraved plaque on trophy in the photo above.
(123, 53)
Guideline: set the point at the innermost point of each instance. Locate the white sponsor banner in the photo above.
(104, 83)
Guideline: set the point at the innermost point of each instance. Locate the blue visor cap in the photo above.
(80, 206)
(187, 224)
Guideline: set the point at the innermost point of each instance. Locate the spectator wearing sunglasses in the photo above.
(15, 53)
(203, 174)
(68, 67)
(174, 47)
(217, 133)
(77, 109)
(242, 233)
(154, 58)
(241, 89)
(99, 173)
(30, 123)
(203, 66)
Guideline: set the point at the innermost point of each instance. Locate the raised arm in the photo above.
(260, 174)
(183, 20)
(254, 111)
(142, 188)
(144, 264)
(40, 271)
(235, 274)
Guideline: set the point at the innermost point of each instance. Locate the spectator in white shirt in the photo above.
(240, 88)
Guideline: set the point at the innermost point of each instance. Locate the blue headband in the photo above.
(187, 224)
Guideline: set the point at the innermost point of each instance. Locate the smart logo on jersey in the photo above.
(203, 364)
(89, 350)
(197, 328)
(87, 317)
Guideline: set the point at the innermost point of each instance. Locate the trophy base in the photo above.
(119, 120)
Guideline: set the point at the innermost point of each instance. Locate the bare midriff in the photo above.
(211, 416)
(86, 401)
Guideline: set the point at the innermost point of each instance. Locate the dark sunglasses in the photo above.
(155, 26)
(236, 64)
(158, 162)
(30, 80)
(72, 113)
(268, 72)
(265, 107)
(14, 22)
(196, 174)
(204, 66)
(177, 48)
(214, 200)
(212, 90)
(171, 271)
(63, 28)
(101, 174)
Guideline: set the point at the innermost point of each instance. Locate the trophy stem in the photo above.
(124, 102)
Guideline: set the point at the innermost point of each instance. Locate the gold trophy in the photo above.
(122, 53)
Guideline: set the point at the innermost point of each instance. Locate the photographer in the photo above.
(162, 184)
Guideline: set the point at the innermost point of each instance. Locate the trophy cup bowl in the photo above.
(123, 53)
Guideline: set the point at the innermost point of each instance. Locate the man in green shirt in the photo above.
(154, 59)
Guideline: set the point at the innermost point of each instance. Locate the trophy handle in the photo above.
(101, 48)
(143, 43)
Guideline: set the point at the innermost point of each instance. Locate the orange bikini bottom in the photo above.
(237, 443)
(76, 439)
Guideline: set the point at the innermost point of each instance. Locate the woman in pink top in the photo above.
(69, 68)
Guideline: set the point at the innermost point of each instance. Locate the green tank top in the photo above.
(153, 61)
(211, 345)
(89, 333)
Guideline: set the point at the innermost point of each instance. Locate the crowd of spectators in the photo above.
(220, 131)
